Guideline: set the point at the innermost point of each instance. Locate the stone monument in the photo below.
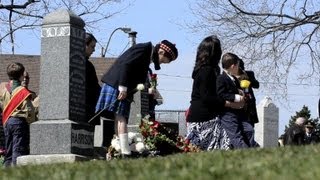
(266, 131)
(139, 108)
(174, 119)
(61, 134)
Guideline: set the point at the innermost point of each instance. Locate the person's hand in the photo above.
(241, 92)
(122, 95)
(242, 99)
(152, 90)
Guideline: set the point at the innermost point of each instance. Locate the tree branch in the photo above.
(15, 6)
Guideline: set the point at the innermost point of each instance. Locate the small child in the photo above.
(251, 109)
(234, 121)
(18, 112)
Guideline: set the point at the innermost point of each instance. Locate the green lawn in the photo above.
(273, 163)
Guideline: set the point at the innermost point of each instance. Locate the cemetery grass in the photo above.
(269, 163)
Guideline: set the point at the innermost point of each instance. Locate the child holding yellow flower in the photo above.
(254, 83)
(234, 121)
(250, 108)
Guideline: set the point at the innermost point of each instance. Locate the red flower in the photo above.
(187, 141)
(144, 134)
(153, 76)
(155, 125)
(160, 138)
(179, 144)
(155, 132)
(186, 149)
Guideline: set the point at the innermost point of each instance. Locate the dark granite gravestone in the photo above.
(61, 134)
(139, 108)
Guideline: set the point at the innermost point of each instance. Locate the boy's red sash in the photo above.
(15, 101)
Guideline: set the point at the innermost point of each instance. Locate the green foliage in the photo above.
(269, 163)
(1, 160)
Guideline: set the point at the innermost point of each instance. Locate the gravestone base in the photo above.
(61, 137)
(103, 133)
(50, 158)
(172, 126)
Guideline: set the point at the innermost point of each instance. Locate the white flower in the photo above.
(131, 137)
(151, 90)
(140, 87)
(115, 143)
(138, 139)
(137, 147)
(140, 147)
(117, 148)
(134, 137)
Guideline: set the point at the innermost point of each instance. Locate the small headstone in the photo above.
(266, 131)
(174, 119)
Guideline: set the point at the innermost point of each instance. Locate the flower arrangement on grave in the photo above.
(163, 140)
(135, 142)
(153, 139)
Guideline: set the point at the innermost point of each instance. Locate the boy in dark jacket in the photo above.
(234, 121)
(18, 113)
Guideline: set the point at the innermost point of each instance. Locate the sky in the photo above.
(158, 20)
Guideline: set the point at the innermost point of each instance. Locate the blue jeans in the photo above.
(16, 131)
(248, 134)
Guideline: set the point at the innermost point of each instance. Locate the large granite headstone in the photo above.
(266, 131)
(61, 134)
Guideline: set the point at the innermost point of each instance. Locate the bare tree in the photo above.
(18, 15)
(275, 37)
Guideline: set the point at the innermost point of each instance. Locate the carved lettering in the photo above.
(82, 139)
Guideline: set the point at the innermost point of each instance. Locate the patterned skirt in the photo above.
(108, 101)
(208, 135)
